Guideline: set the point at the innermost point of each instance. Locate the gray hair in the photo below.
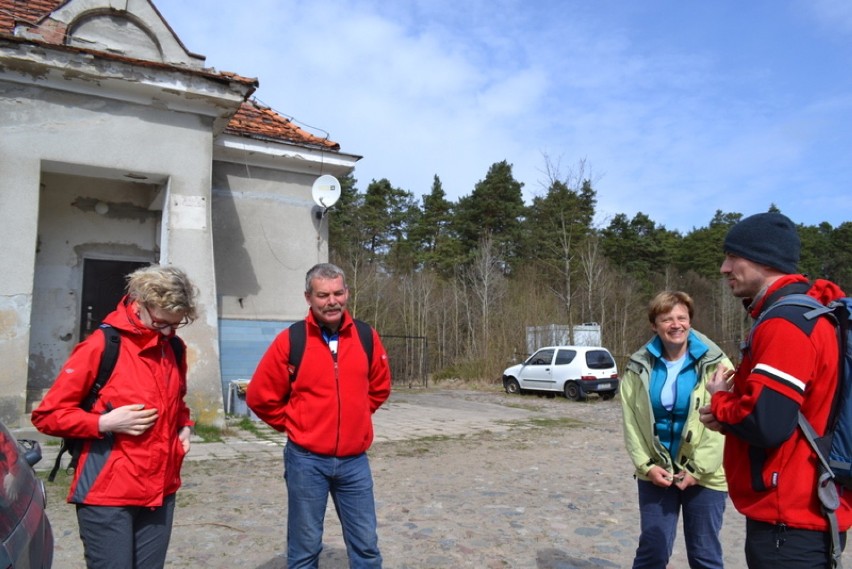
(166, 288)
(323, 271)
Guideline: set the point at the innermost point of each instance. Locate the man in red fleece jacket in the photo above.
(790, 365)
(326, 411)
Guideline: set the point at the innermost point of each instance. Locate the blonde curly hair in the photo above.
(166, 288)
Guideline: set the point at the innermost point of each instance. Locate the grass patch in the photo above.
(246, 424)
(208, 433)
(438, 438)
(453, 379)
(525, 405)
(63, 478)
(551, 422)
(429, 444)
(184, 499)
(422, 446)
(255, 428)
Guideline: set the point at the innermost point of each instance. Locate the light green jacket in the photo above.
(700, 451)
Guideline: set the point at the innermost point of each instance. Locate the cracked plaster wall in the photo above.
(266, 238)
(48, 132)
(71, 230)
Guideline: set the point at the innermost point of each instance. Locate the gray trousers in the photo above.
(126, 537)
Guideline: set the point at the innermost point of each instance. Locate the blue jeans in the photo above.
(310, 479)
(659, 509)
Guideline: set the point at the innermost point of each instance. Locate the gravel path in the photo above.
(463, 479)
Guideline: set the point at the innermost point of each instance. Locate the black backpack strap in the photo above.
(109, 357)
(177, 348)
(63, 448)
(365, 333)
(298, 336)
(298, 332)
(112, 341)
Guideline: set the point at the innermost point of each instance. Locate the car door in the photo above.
(537, 373)
(565, 367)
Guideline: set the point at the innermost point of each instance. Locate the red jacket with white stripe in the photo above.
(117, 469)
(328, 408)
(791, 364)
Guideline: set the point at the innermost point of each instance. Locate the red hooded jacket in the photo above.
(771, 468)
(328, 408)
(117, 469)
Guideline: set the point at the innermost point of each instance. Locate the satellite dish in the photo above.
(326, 191)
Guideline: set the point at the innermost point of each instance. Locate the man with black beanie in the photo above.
(790, 364)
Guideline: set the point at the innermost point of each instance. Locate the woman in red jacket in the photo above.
(137, 433)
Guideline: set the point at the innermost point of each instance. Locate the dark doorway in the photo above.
(103, 287)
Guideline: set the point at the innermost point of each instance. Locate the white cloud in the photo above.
(675, 120)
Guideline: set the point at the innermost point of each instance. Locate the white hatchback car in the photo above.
(572, 370)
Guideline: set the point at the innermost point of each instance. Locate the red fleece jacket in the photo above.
(328, 408)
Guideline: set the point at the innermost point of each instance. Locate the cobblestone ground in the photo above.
(546, 485)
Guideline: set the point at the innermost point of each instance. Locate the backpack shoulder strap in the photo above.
(177, 348)
(801, 300)
(795, 301)
(365, 333)
(112, 341)
(109, 357)
(298, 333)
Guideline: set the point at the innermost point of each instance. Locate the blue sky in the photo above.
(674, 109)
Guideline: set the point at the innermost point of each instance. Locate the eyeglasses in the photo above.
(163, 324)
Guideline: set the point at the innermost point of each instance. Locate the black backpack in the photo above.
(109, 357)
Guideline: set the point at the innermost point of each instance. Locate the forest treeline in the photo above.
(471, 275)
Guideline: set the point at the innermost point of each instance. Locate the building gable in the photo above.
(119, 146)
(136, 31)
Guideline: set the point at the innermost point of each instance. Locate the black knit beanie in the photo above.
(768, 239)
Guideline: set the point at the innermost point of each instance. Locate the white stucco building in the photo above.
(118, 147)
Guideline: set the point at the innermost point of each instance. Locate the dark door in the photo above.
(103, 287)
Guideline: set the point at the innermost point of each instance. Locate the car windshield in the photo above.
(599, 359)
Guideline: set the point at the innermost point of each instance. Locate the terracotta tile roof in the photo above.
(28, 12)
(252, 119)
(257, 121)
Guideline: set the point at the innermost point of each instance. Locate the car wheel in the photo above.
(512, 386)
(607, 395)
(573, 391)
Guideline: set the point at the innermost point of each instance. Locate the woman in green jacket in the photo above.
(678, 462)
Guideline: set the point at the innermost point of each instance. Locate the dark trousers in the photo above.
(659, 510)
(126, 537)
(770, 546)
